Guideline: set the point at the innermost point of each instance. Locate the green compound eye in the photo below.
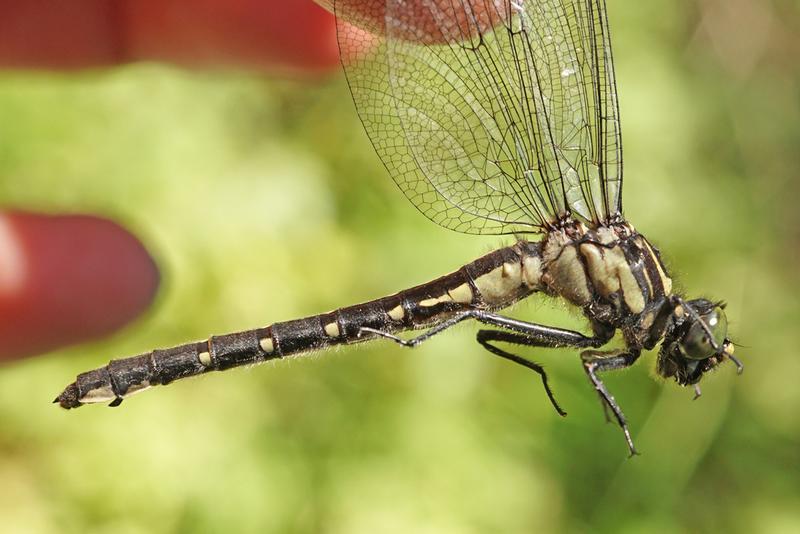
(695, 343)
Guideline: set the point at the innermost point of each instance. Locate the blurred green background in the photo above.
(263, 201)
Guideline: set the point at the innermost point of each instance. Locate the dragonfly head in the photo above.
(695, 342)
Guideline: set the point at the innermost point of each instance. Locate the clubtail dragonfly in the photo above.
(493, 117)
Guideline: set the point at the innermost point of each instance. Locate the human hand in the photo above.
(66, 279)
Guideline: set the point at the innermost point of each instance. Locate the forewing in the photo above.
(493, 116)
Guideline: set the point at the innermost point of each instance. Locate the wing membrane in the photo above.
(493, 116)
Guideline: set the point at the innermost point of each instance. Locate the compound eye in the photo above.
(696, 344)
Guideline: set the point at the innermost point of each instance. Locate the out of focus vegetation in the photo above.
(263, 201)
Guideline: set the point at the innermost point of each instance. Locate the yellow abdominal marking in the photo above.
(500, 284)
(266, 344)
(461, 294)
(136, 388)
(101, 394)
(396, 313)
(205, 358)
(437, 300)
(332, 330)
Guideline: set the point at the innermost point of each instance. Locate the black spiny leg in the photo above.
(485, 337)
(598, 361)
(514, 331)
(537, 335)
(414, 341)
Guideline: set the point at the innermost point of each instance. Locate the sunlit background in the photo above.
(263, 201)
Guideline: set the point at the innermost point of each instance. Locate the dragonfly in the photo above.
(494, 117)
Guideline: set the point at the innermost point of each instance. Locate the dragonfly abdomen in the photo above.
(493, 281)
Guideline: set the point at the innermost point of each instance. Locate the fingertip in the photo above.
(66, 279)
(273, 36)
(268, 36)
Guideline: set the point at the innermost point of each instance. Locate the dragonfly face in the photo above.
(695, 343)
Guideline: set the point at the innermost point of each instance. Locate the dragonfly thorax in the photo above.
(611, 272)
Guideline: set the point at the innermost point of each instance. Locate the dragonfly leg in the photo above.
(486, 337)
(536, 335)
(544, 336)
(539, 335)
(414, 341)
(515, 332)
(595, 362)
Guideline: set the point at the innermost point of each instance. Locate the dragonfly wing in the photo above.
(493, 116)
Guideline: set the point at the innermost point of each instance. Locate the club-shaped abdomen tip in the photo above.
(69, 397)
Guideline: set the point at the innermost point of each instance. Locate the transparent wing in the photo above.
(493, 116)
